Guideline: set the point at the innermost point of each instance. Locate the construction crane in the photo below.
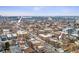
(21, 40)
(18, 23)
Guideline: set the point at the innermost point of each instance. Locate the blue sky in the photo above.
(39, 10)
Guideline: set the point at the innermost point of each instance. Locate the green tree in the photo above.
(7, 46)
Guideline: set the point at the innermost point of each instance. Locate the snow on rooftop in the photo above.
(6, 29)
(48, 35)
(32, 39)
(14, 34)
(9, 35)
(74, 35)
(21, 32)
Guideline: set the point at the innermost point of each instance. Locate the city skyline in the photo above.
(39, 10)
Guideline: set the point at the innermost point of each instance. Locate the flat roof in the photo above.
(43, 35)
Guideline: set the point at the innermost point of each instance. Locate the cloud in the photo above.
(37, 8)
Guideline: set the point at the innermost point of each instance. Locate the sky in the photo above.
(39, 10)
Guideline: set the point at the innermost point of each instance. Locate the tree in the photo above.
(7, 46)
